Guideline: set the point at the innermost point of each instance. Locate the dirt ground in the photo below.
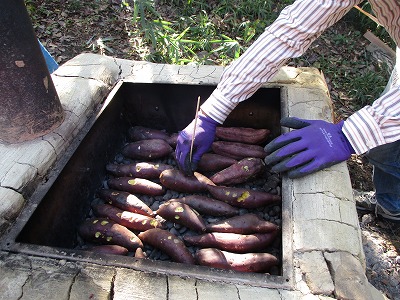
(104, 28)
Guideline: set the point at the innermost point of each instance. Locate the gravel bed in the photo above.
(381, 243)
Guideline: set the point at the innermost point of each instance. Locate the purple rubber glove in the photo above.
(203, 138)
(315, 145)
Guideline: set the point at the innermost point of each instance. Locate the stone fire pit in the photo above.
(322, 251)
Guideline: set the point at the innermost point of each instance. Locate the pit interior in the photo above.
(48, 227)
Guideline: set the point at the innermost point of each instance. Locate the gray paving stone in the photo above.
(216, 291)
(46, 283)
(348, 276)
(14, 274)
(93, 282)
(253, 293)
(130, 284)
(181, 288)
(316, 272)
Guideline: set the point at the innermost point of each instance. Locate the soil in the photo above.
(68, 28)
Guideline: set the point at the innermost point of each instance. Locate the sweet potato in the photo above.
(247, 262)
(147, 149)
(212, 162)
(183, 214)
(136, 186)
(244, 224)
(139, 133)
(109, 249)
(130, 220)
(146, 170)
(241, 197)
(238, 150)
(105, 231)
(176, 180)
(208, 206)
(168, 243)
(239, 172)
(125, 201)
(233, 242)
(139, 253)
(173, 139)
(242, 134)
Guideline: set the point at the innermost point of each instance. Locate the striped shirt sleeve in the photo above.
(375, 124)
(289, 36)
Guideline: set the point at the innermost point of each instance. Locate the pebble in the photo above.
(367, 218)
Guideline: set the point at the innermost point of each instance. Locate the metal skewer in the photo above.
(194, 130)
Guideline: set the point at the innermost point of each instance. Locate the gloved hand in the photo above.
(203, 138)
(315, 145)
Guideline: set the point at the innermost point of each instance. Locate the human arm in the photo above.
(375, 124)
(289, 36)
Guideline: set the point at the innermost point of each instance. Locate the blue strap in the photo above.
(50, 62)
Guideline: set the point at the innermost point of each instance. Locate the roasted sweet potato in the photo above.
(247, 262)
(239, 172)
(242, 134)
(173, 139)
(208, 206)
(238, 150)
(183, 214)
(146, 170)
(176, 180)
(147, 149)
(130, 220)
(109, 249)
(139, 253)
(125, 201)
(212, 162)
(136, 186)
(105, 231)
(233, 242)
(243, 224)
(139, 133)
(168, 243)
(241, 197)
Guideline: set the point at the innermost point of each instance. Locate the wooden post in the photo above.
(29, 104)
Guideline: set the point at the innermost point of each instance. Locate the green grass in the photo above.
(199, 32)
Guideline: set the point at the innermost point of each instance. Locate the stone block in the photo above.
(181, 288)
(90, 66)
(348, 276)
(316, 272)
(326, 235)
(131, 284)
(11, 203)
(308, 103)
(14, 274)
(333, 181)
(324, 207)
(216, 291)
(93, 282)
(253, 293)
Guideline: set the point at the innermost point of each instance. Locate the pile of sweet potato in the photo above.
(212, 218)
